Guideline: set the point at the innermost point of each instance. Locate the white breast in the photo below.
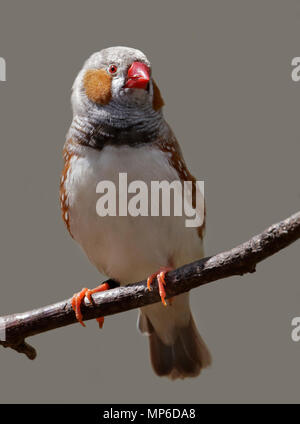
(126, 248)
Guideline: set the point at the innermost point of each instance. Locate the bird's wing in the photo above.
(68, 154)
(172, 148)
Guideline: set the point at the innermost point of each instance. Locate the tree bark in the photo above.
(237, 261)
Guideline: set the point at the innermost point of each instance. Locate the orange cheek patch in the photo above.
(158, 101)
(97, 84)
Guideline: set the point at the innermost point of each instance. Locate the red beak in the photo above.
(138, 76)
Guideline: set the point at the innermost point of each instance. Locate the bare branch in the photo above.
(237, 261)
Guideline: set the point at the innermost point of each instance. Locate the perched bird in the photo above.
(118, 127)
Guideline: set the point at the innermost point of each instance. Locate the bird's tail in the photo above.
(185, 357)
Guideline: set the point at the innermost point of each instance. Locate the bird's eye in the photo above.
(112, 69)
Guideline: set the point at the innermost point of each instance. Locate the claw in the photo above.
(100, 321)
(78, 298)
(161, 284)
(76, 304)
(160, 275)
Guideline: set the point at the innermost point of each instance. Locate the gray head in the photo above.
(115, 86)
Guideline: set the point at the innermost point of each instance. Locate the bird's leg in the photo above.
(160, 275)
(78, 298)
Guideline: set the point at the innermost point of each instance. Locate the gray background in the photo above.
(224, 71)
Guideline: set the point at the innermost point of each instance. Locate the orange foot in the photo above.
(160, 275)
(78, 298)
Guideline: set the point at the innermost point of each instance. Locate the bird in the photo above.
(118, 126)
